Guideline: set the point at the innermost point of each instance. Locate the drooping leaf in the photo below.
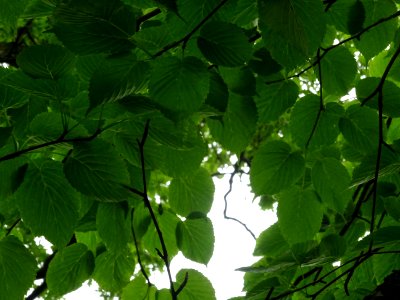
(95, 169)
(113, 225)
(179, 84)
(138, 288)
(359, 127)
(338, 71)
(263, 64)
(113, 270)
(291, 30)
(240, 81)
(270, 243)
(197, 287)
(331, 181)
(94, 26)
(195, 238)
(275, 167)
(224, 44)
(193, 192)
(11, 11)
(69, 268)
(299, 214)
(11, 98)
(48, 202)
(46, 61)
(311, 125)
(17, 269)
(274, 99)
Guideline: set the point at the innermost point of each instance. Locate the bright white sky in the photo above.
(233, 244)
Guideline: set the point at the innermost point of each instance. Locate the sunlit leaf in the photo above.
(69, 269)
(299, 214)
(275, 168)
(17, 268)
(195, 238)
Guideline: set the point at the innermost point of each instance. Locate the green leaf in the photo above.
(197, 287)
(167, 222)
(179, 84)
(263, 64)
(238, 124)
(12, 174)
(292, 30)
(95, 169)
(94, 26)
(46, 61)
(299, 215)
(195, 238)
(193, 192)
(224, 44)
(195, 11)
(69, 269)
(113, 225)
(117, 78)
(65, 87)
(338, 71)
(5, 134)
(392, 206)
(218, 94)
(359, 127)
(47, 202)
(356, 17)
(39, 8)
(331, 181)
(11, 11)
(11, 98)
(113, 270)
(138, 289)
(17, 269)
(274, 99)
(333, 245)
(239, 80)
(391, 93)
(271, 242)
(378, 38)
(304, 117)
(275, 167)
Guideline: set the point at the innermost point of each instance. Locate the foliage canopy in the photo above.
(115, 115)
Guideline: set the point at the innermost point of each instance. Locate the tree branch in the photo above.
(164, 254)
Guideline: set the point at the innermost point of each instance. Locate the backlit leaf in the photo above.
(48, 202)
(299, 214)
(275, 168)
(17, 269)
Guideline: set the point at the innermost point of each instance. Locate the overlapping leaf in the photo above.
(195, 238)
(179, 84)
(46, 61)
(95, 169)
(113, 270)
(69, 269)
(275, 167)
(198, 287)
(17, 269)
(299, 214)
(193, 192)
(94, 26)
(224, 44)
(48, 202)
(291, 30)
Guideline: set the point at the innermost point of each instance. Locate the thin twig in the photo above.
(13, 226)
(142, 269)
(321, 100)
(164, 254)
(146, 17)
